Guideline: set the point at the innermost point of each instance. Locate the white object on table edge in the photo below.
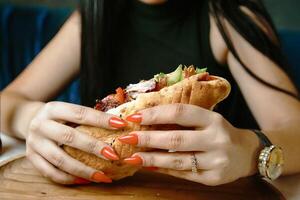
(12, 149)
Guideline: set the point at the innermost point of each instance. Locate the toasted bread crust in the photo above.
(205, 94)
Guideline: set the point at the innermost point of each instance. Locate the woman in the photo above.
(112, 43)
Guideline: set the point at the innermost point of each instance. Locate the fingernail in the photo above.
(136, 118)
(81, 181)
(151, 168)
(109, 153)
(117, 122)
(129, 139)
(134, 160)
(101, 177)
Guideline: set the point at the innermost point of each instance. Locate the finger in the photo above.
(209, 178)
(60, 159)
(83, 115)
(72, 137)
(181, 114)
(179, 140)
(48, 170)
(176, 161)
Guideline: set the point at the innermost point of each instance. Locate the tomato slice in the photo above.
(120, 95)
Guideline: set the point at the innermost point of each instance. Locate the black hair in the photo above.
(267, 43)
(100, 19)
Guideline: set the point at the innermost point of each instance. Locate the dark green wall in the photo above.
(286, 13)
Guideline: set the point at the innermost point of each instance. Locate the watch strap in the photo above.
(263, 138)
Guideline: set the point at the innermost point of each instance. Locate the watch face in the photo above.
(274, 168)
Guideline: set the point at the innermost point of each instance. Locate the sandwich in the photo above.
(187, 85)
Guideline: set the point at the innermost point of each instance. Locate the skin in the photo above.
(153, 2)
(219, 146)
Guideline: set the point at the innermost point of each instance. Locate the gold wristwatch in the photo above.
(270, 161)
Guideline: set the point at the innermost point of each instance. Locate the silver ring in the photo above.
(194, 163)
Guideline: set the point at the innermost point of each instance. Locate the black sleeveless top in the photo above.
(157, 38)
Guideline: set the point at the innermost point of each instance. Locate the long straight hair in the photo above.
(100, 19)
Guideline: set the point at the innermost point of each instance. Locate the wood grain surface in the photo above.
(19, 180)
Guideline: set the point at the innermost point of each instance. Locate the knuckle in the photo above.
(68, 136)
(176, 140)
(145, 140)
(223, 141)
(57, 160)
(49, 107)
(34, 125)
(92, 146)
(225, 162)
(43, 171)
(149, 161)
(222, 162)
(80, 113)
(177, 164)
(217, 118)
(178, 110)
(80, 171)
(101, 119)
(151, 115)
(47, 174)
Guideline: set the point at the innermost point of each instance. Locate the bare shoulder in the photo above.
(217, 42)
(75, 18)
(270, 72)
(257, 95)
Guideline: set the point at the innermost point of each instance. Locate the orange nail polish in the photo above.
(101, 177)
(136, 118)
(134, 160)
(129, 139)
(117, 122)
(151, 168)
(109, 153)
(81, 181)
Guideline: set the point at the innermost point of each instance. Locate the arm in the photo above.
(279, 120)
(43, 125)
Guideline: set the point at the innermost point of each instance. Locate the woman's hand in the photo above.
(223, 152)
(47, 131)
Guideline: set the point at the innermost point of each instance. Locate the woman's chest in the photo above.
(143, 48)
(143, 51)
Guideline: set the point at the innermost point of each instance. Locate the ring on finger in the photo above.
(194, 163)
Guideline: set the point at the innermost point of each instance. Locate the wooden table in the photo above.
(19, 180)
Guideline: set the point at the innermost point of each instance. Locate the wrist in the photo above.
(24, 113)
(253, 147)
(270, 162)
